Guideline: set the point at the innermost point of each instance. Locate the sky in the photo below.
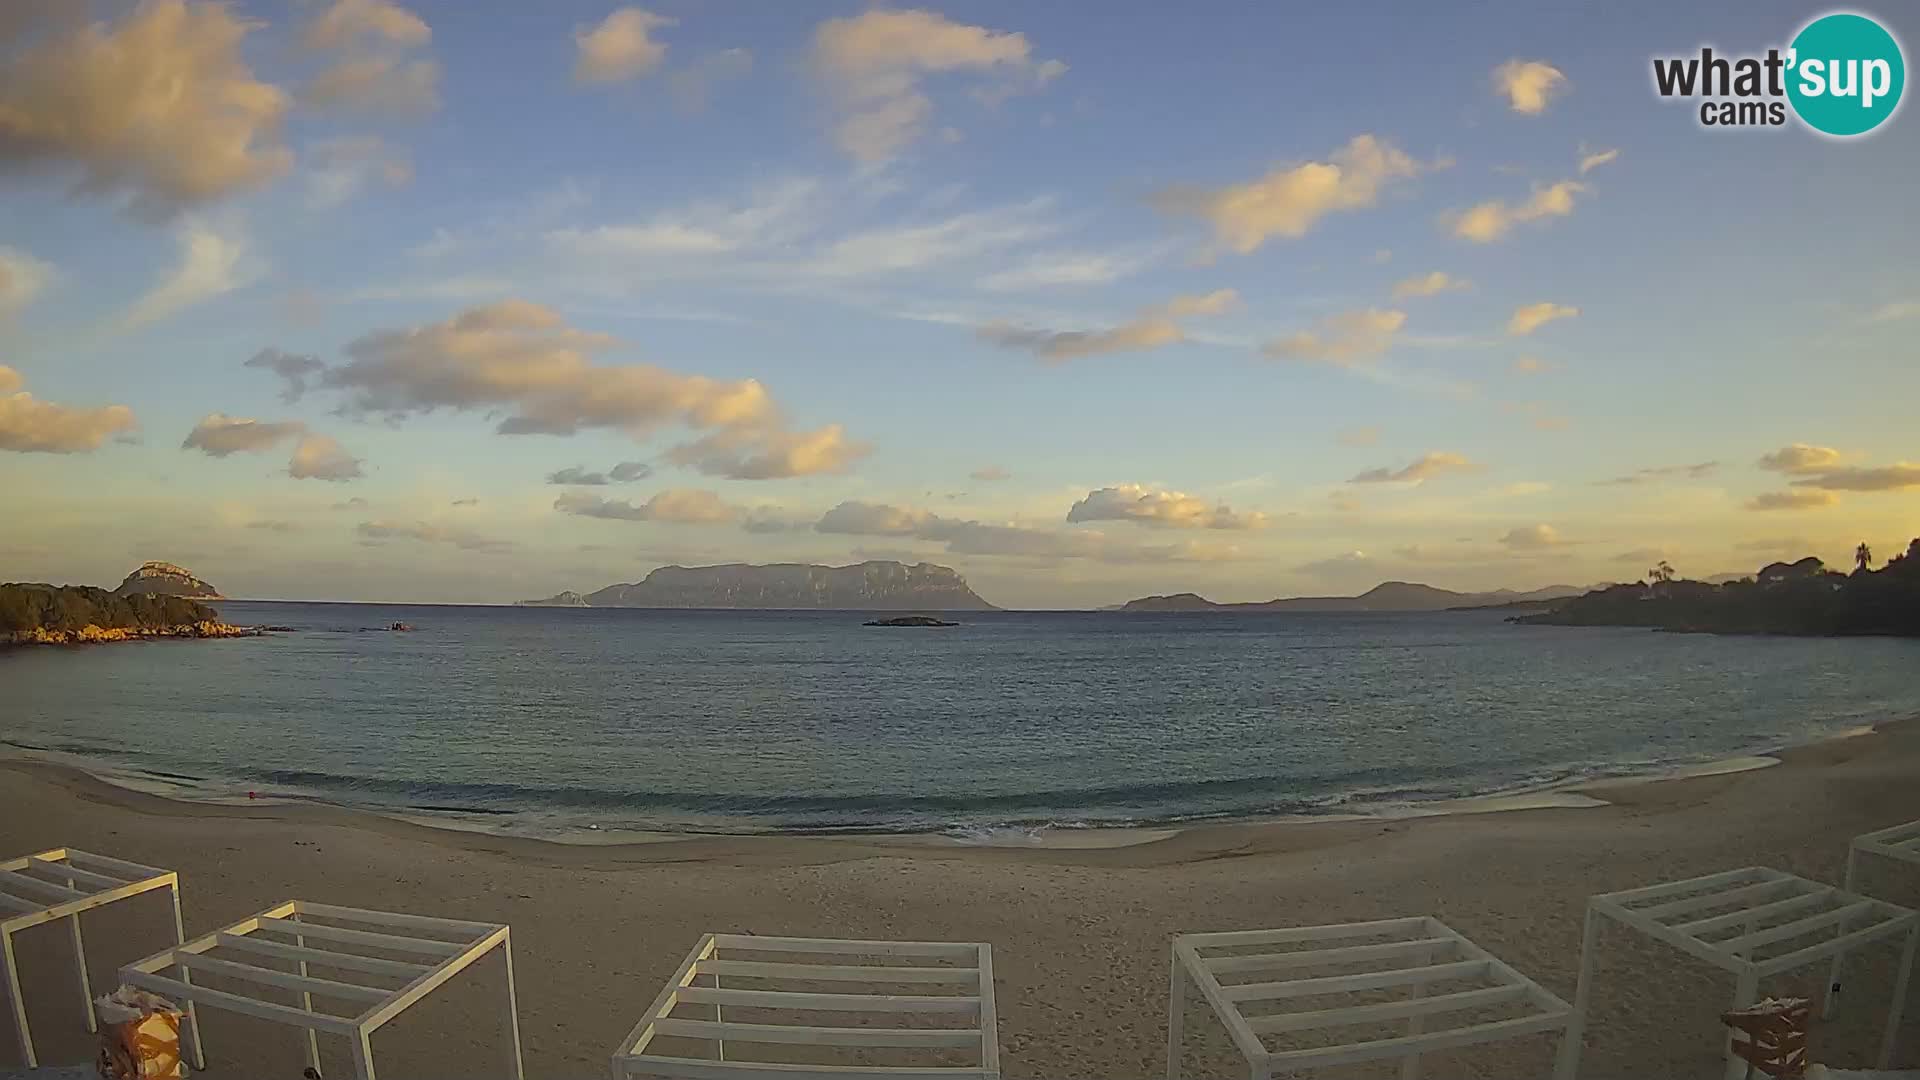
(452, 302)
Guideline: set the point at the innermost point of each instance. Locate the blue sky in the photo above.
(1286, 247)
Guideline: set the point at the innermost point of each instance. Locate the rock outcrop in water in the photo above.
(867, 586)
(166, 579)
(32, 614)
(1387, 596)
(1801, 597)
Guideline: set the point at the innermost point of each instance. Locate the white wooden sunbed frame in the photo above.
(1729, 919)
(1422, 951)
(355, 946)
(63, 883)
(953, 966)
(1901, 843)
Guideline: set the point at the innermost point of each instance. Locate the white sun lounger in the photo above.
(379, 962)
(1753, 923)
(876, 988)
(1406, 958)
(1900, 843)
(62, 884)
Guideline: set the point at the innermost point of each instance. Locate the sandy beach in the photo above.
(1080, 933)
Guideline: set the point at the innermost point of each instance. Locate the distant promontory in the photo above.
(1387, 596)
(1802, 597)
(166, 579)
(869, 586)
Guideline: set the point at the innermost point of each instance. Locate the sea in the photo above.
(587, 723)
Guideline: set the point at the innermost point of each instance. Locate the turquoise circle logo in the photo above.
(1845, 74)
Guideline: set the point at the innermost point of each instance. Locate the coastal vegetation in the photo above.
(1802, 597)
(32, 614)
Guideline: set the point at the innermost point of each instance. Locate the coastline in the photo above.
(1079, 934)
(438, 825)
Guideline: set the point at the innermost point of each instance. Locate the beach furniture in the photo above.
(64, 883)
(878, 1009)
(1751, 923)
(1412, 970)
(1902, 843)
(375, 963)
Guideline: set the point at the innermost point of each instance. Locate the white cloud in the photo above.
(1528, 85)
(1062, 269)
(1493, 219)
(625, 472)
(320, 457)
(160, 106)
(682, 506)
(1899, 476)
(621, 47)
(1801, 459)
(377, 84)
(968, 537)
(349, 22)
(521, 358)
(212, 263)
(1152, 328)
(1532, 317)
(428, 532)
(315, 456)
(1429, 284)
(1345, 339)
(1532, 538)
(1895, 310)
(219, 435)
(22, 279)
(373, 73)
(875, 62)
(1160, 508)
(1593, 159)
(1290, 201)
(744, 454)
(29, 425)
(341, 168)
(1792, 500)
(1426, 467)
(292, 368)
(1532, 365)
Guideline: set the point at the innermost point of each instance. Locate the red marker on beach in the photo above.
(251, 795)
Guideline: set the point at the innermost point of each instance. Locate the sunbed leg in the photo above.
(1572, 1039)
(1889, 1041)
(193, 1017)
(513, 1009)
(1745, 994)
(1176, 1017)
(19, 1002)
(1831, 1006)
(80, 969)
(306, 1002)
(362, 1056)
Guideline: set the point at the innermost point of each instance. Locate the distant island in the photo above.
(1387, 596)
(166, 579)
(1802, 597)
(869, 586)
(35, 614)
(909, 620)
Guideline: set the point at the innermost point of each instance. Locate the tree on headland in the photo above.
(1800, 597)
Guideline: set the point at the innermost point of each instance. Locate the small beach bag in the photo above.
(139, 1037)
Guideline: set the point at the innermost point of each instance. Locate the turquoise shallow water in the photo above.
(807, 720)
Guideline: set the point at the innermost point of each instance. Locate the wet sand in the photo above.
(1079, 932)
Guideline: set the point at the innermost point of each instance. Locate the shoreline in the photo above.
(1079, 934)
(442, 826)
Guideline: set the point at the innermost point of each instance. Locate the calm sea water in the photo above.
(556, 719)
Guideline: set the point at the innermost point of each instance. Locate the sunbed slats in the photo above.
(1391, 1010)
(782, 999)
(347, 961)
(363, 937)
(841, 972)
(819, 1036)
(1221, 965)
(1373, 980)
